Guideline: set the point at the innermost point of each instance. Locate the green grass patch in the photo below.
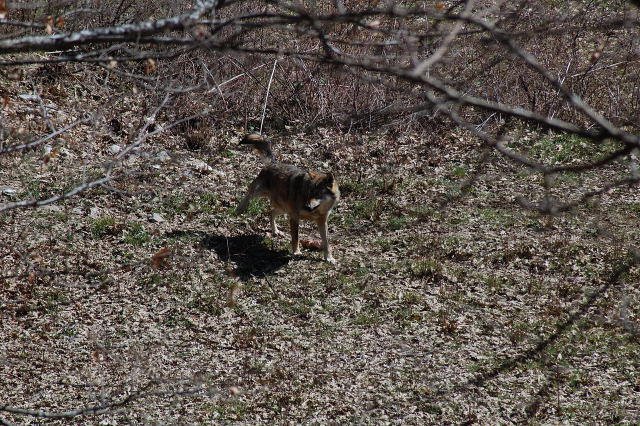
(228, 410)
(368, 209)
(396, 223)
(136, 235)
(208, 303)
(460, 171)
(385, 243)
(103, 226)
(565, 149)
(33, 190)
(208, 201)
(425, 268)
(349, 187)
(502, 217)
(425, 212)
(257, 206)
(366, 319)
(174, 204)
(632, 208)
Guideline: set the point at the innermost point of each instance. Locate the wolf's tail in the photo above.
(260, 146)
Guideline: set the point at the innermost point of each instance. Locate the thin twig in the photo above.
(266, 96)
(42, 140)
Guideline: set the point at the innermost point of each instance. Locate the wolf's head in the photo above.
(325, 189)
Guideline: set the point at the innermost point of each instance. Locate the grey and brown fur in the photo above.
(299, 194)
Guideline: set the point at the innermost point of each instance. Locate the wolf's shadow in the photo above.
(249, 253)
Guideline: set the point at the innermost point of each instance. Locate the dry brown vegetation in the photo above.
(486, 237)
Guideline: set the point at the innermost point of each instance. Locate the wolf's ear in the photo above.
(328, 178)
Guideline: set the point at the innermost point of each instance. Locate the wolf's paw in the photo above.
(330, 259)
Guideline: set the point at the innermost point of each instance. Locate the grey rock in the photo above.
(163, 156)
(156, 217)
(7, 190)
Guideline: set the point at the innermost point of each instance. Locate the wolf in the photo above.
(300, 194)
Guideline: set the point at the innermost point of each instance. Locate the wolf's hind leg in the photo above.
(252, 192)
(274, 226)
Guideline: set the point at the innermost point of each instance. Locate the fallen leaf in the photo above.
(311, 244)
(149, 66)
(48, 25)
(159, 259)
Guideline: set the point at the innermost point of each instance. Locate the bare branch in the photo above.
(551, 207)
(33, 144)
(446, 42)
(39, 203)
(120, 33)
(143, 135)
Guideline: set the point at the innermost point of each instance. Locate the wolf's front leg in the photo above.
(294, 224)
(323, 228)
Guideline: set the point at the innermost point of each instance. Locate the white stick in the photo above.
(266, 97)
